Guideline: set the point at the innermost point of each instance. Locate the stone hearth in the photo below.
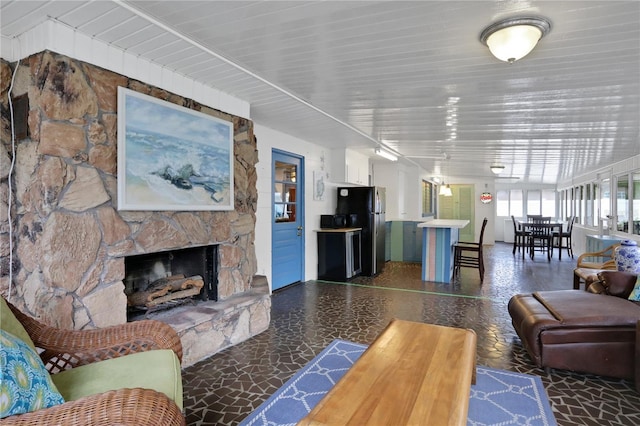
(208, 327)
(69, 239)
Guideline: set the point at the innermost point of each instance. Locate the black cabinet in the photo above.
(339, 256)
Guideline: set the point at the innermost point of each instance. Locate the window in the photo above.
(541, 202)
(428, 199)
(605, 195)
(502, 203)
(611, 203)
(596, 197)
(549, 202)
(516, 202)
(622, 203)
(588, 207)
(509, 203)
(635, 206)
(533, 202)
(578, 210)
(564, 197)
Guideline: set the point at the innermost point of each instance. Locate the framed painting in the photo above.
(171, 157)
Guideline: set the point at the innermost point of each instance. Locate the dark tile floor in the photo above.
(306, 317)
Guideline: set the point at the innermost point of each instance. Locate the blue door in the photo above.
(287, 240)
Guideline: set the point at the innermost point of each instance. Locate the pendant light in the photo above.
(445, 189)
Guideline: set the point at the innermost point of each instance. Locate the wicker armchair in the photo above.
(64, 349)
(586, 269)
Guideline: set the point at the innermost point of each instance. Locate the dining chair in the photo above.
(470, 254)
(520, 237)
(565, 236)
(541, 237)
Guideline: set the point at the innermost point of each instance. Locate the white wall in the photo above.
(54, 36)
(316, 159)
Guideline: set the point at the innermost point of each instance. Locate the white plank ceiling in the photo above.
(409, 75)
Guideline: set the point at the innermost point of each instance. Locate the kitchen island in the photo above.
(438, 238)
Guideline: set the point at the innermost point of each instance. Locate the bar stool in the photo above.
(469, 254)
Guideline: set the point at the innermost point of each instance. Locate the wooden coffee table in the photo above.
(412, 374)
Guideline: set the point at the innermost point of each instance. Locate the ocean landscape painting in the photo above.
(171, 157)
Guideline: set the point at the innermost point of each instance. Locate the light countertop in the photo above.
(444, 223)
(343, 230)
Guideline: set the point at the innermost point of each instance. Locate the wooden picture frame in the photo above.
(171, 157)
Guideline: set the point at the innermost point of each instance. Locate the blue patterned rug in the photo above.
(498, 398)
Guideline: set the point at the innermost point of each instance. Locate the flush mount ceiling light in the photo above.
(386, 154)
(513, 38)
(496, 168)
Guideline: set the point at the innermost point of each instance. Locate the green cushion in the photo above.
(635, 293)
(157, 369)
(9, 323)
(25, 385)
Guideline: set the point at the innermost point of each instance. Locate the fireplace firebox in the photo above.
(171, 278)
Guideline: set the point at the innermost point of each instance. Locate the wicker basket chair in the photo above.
(65, 349)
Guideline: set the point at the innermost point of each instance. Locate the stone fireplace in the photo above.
(70, 241)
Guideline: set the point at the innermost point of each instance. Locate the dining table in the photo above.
(545, 228)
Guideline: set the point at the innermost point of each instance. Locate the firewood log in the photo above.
(164, 286)
(141, 298)
(182, 294)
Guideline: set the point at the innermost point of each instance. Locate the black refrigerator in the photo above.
(364, 207)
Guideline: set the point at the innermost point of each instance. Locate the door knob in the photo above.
(299, 228)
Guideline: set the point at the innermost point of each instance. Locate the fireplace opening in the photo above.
(159, 281)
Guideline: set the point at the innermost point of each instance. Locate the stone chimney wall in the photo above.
(69, 240)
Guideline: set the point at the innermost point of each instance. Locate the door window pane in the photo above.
(284, 192)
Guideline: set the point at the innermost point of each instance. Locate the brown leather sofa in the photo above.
(591, 331)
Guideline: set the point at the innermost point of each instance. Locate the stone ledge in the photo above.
(211, 326)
